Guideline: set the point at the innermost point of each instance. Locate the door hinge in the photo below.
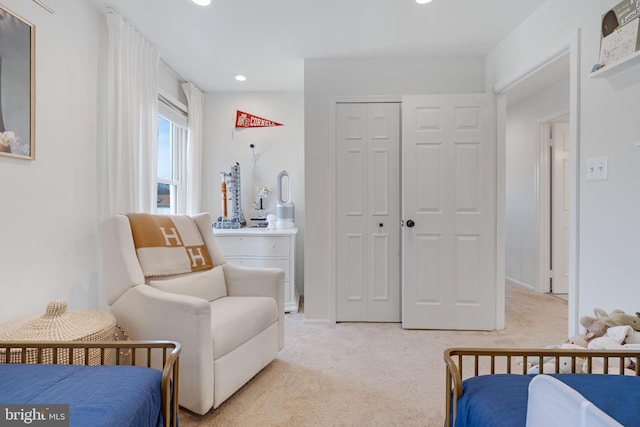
(550, 274)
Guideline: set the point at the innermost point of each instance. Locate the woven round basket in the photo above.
(58, 324)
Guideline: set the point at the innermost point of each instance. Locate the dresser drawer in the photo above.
(276, 246)
(263, 263)
(263, 249)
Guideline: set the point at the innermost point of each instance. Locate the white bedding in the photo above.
(553, 403)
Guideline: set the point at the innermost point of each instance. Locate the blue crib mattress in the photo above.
(501, 399)
(96, 395)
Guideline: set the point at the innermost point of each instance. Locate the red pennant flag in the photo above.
(246, 120)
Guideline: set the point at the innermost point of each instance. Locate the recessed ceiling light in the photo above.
(423, 1)
(240, 77)
(202, 2)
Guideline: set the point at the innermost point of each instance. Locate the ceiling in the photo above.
(268, 40)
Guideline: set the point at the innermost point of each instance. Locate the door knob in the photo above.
(410, 223)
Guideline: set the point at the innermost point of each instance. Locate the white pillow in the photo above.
(207, 285)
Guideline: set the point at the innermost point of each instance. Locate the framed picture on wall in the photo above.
(619, 36)
(17, 86)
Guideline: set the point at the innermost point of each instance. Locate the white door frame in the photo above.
(544, 203)
(333, 168)
(574, 232)
(572, 45)
(501, 169)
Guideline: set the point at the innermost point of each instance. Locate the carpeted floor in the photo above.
(372, 374)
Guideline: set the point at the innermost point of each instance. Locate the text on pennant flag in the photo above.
(246, 120)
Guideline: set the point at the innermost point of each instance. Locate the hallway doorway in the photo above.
(537, 179)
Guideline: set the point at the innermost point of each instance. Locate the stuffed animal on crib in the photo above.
(579, 340)
(535, 361)
(565, 365)
(595, 326)
(616, 338)
(549, 363)
(612, 340)
(622, 319)
(549, 367)
(633, 337)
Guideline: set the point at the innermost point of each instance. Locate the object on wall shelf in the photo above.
(619, 38)
(232, 216)
(616, 67)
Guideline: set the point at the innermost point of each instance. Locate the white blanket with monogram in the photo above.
(168, 244)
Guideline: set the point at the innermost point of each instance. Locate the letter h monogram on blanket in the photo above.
(168, 244)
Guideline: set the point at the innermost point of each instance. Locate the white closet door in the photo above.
(449, 211)
(368, 212)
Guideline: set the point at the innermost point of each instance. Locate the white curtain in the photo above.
(130, 161)
(193, 161)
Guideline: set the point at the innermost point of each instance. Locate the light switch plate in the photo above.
(597, 168)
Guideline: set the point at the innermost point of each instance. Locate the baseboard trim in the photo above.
(316, 321)
(515, 282)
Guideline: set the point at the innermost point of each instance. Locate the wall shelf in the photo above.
(616, 67)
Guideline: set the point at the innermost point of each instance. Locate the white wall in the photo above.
(522, 178)
(170, 82)
(608, 267)
(325, 79)
(277, 148)
(48, 219)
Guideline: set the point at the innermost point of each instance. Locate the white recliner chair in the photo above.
(229, 319)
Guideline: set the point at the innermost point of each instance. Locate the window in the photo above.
(172, 151)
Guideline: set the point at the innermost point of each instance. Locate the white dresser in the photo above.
(259, 247)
